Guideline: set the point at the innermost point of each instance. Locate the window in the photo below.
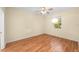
(57, 22)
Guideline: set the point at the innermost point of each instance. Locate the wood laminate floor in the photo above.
(42, 43)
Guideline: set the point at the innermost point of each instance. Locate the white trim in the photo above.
(2, 40)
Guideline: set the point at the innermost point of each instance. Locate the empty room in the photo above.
(39, 29)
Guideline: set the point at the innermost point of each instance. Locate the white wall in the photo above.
(21, 23)
(70, 24)
(2, 39)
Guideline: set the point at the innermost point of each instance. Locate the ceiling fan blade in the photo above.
(50, 9)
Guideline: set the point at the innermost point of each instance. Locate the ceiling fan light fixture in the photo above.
(45, 10)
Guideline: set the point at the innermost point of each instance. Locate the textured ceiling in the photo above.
(55, 9)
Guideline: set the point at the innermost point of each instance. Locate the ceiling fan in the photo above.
(46, 10)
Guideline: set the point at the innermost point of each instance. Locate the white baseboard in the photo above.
(25, 36)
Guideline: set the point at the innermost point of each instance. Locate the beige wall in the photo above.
(21, 23)
(70, 24)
